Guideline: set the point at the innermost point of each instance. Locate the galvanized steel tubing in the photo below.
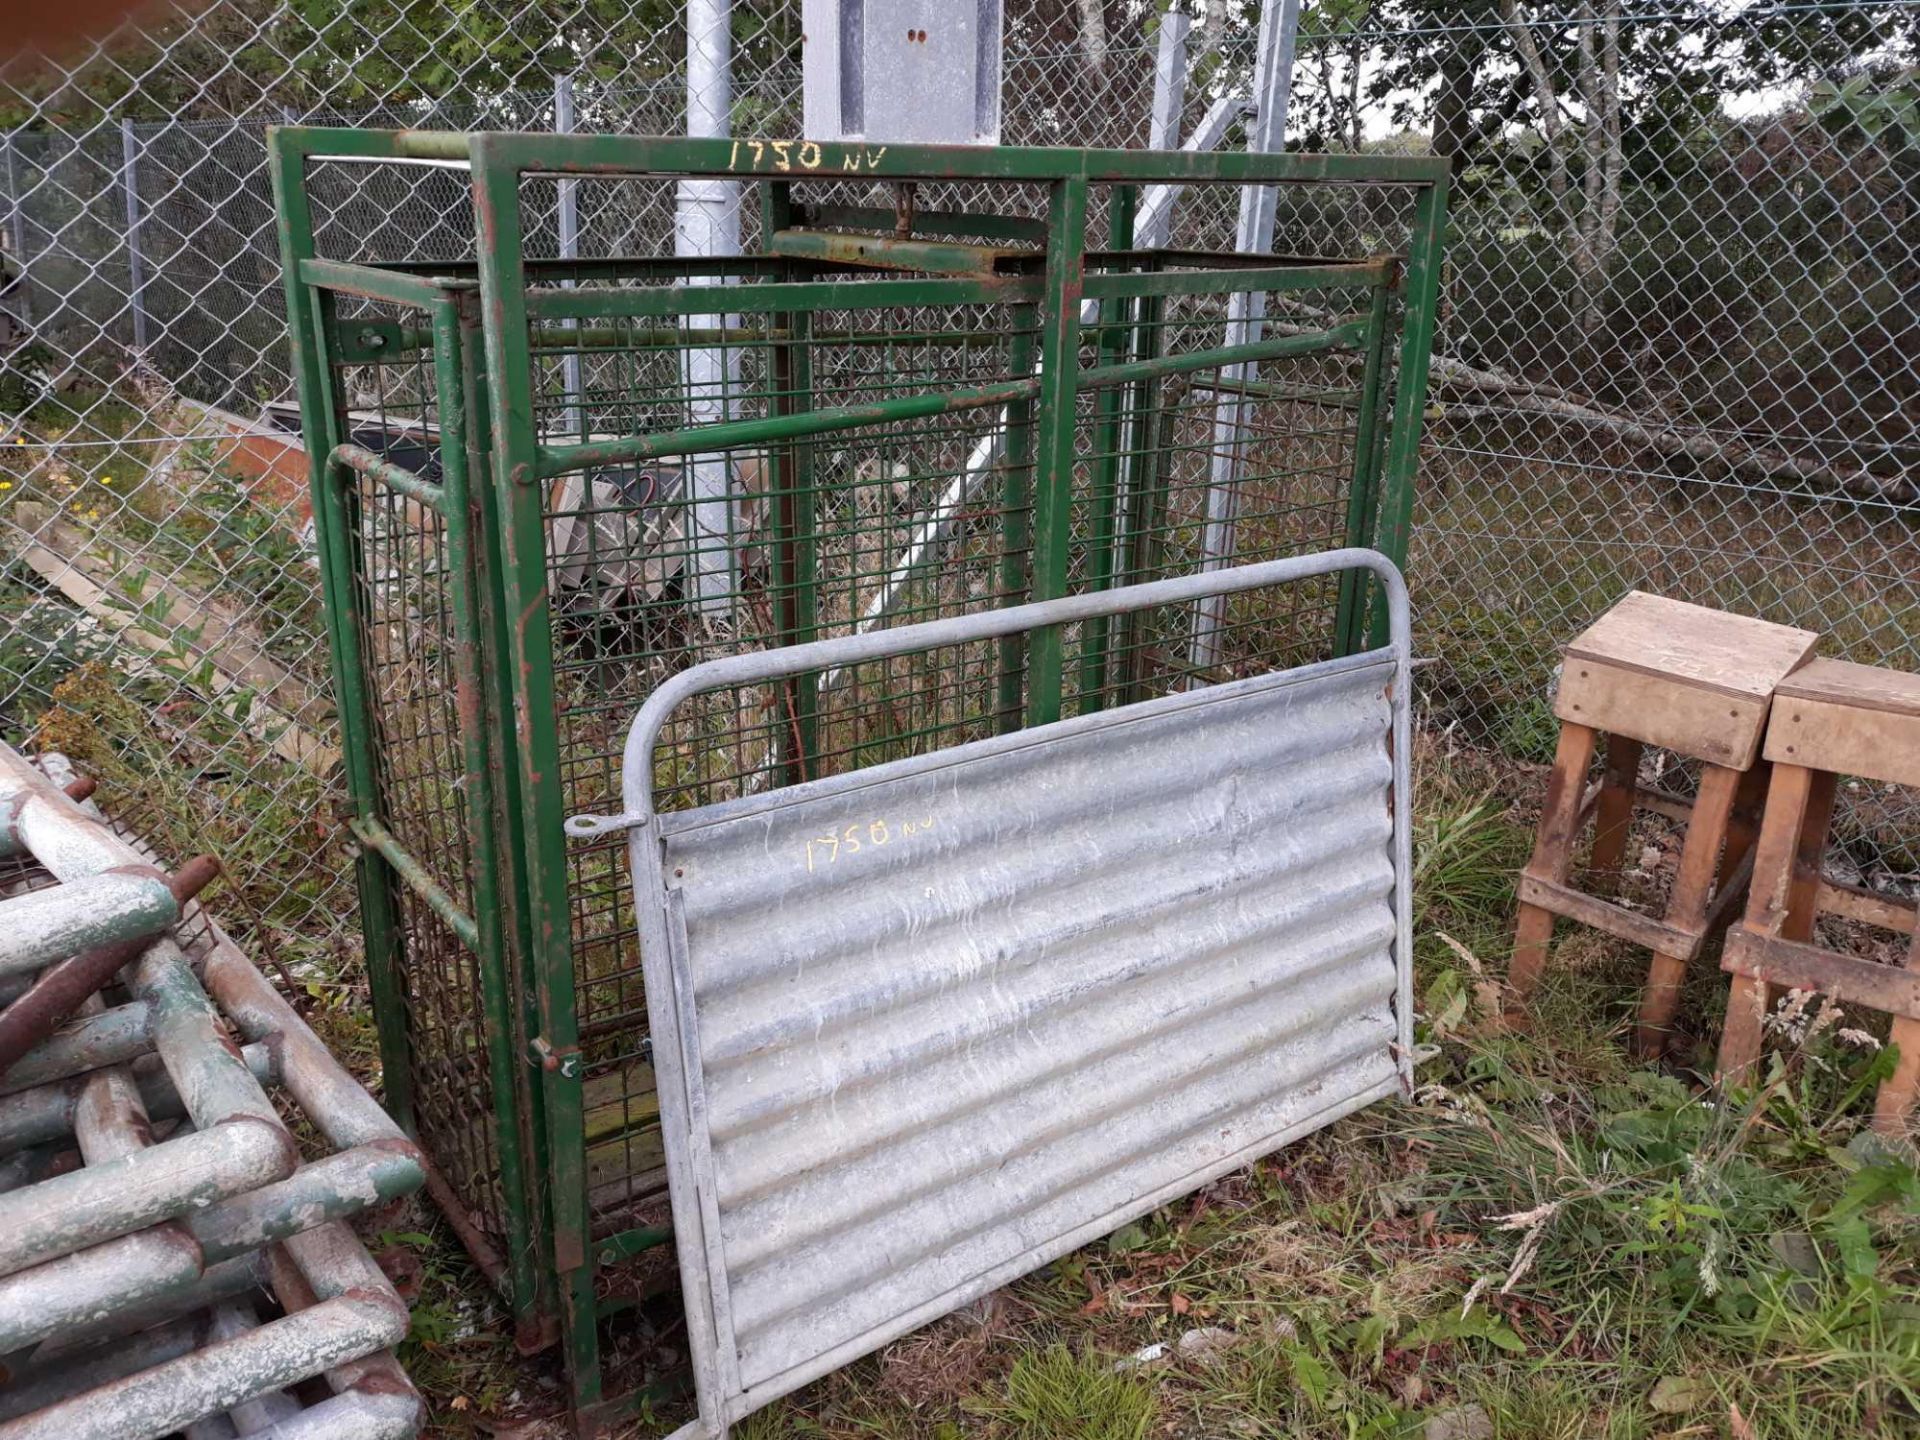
(88, 963)
(149, 1229)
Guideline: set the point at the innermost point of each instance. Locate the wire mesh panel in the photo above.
(403, 545)
(812, 538)
(407, 633)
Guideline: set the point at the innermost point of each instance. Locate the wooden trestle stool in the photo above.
(1695, 681)
(1830, 719)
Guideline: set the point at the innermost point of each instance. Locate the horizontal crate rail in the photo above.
(916, 253)
(844, 294)
(731, 434)
(379, 341)
(459, 274)
(360, 460)
(1317, 275)
(925, 222)
(1348, 334)
(793, 159)
(699, 439)
(580, 303)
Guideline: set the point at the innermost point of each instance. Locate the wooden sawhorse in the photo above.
(1698, 682)
(1830, 719)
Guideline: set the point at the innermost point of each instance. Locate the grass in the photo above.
(1054, 1390)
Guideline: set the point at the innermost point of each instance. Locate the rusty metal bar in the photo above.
(42, 1381)
(220, 1282)
(142, 1188)
(169, 1396)
(887, 252)
(44, 1114)
(106, 1037)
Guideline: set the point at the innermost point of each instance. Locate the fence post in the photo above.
(17, 225)
(1163, 126)
(136, 263)
(707, 224)
(1246, 314)
(569, 220)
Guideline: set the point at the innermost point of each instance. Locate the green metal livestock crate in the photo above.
(554, 463)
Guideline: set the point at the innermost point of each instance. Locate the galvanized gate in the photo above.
(925, 1026)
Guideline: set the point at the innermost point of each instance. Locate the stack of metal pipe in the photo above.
(170, 1260)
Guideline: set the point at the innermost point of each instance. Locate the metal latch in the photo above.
(587, 827)
(565, 1062)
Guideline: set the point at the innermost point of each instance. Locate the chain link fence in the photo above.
(1680, 350)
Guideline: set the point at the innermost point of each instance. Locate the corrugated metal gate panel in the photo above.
(955, 1010)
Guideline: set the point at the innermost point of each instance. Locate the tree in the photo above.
(1590, 226)
(1093, 32)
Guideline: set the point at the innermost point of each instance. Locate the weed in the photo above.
(43, 640)
(1056, 1394)
(1465, 854)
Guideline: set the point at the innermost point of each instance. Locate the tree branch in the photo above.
(1692, 442)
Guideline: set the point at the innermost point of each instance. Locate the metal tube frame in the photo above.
(385, 866)
(151, 1229)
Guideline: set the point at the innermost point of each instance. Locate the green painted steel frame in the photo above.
(384, 864)
(531, 1007)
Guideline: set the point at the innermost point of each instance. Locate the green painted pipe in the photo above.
(394, 477)
(558, 459)
(378, 838)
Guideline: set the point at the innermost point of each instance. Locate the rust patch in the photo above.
(383, 1382)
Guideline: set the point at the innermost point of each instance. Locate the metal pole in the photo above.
(17, 224)
(569, 249)
(707, 224)
(1123, 332)
(136, 263)
(1163, 128)
(1246, 315)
